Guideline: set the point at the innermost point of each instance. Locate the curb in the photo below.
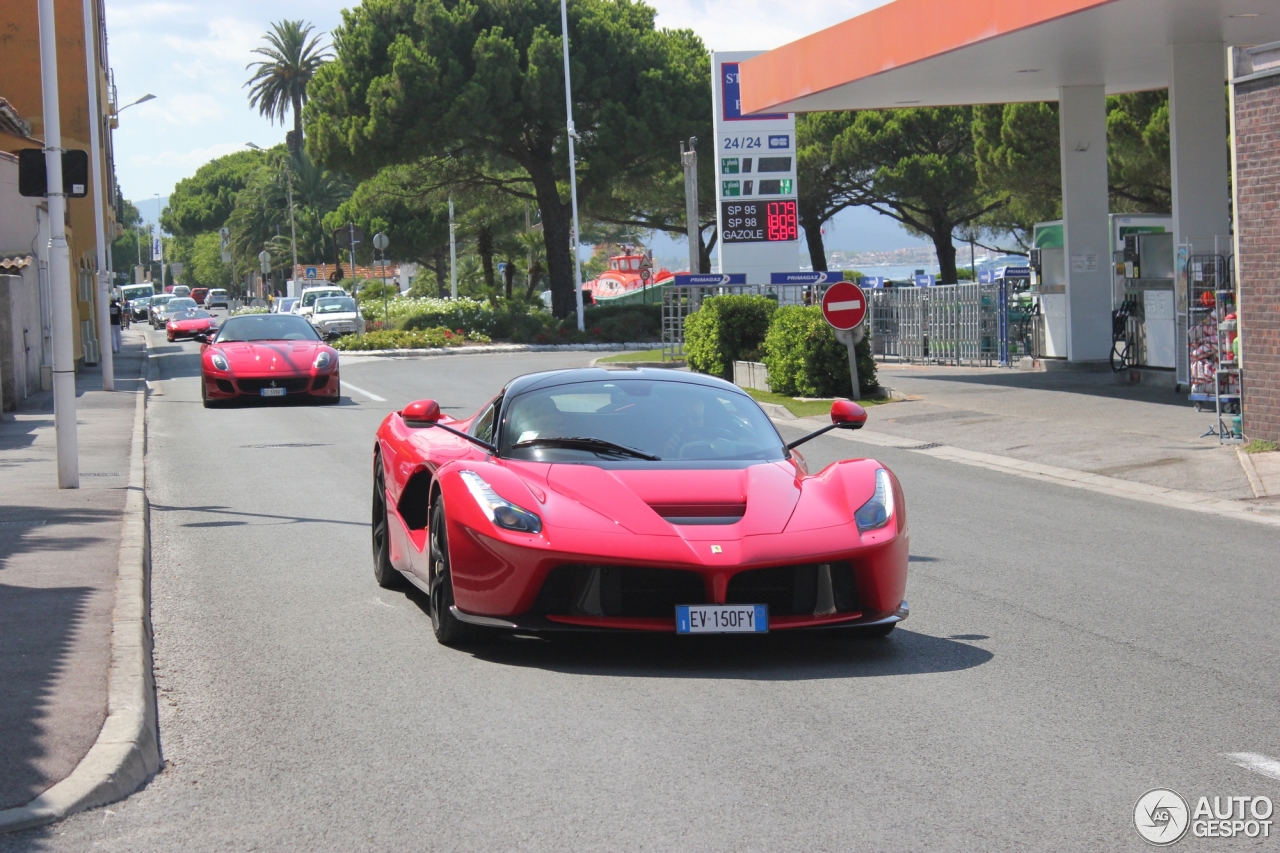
(127, 751)
(1175, 498)
(497, 348)
(1255, 482)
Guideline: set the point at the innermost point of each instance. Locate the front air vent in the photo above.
(696, 514)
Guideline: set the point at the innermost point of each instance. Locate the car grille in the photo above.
(319, 383)
(291, 386)
(618, 591)
(793, 590)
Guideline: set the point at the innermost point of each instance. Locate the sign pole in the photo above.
(453, 254)
(844, 307)
(64, 365)
(689, 158)
(573, 166)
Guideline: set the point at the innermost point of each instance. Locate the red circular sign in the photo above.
(844, 305)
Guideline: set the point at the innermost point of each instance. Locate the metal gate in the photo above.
(945, 324)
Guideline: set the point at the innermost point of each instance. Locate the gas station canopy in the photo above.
(955, 52)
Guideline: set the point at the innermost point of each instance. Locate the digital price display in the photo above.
(760, 221)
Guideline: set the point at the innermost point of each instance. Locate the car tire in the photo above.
(383, 571)
(449, 629)
(204, 395)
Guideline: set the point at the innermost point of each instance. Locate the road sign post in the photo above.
(380, 242)
(844, 307)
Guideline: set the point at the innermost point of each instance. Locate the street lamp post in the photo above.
(380, 242)
(106, 358)
(64, 365)
(573, 168)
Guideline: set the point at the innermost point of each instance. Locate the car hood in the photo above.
(761, 499)
(252, 356)
(195, 323)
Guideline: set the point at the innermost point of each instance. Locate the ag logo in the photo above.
(1161, 816)
(716, 549)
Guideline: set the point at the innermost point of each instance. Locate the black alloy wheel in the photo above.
(383, 571)
(204, 395)
(449, 629)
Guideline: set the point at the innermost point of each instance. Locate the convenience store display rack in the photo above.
(1211, 330)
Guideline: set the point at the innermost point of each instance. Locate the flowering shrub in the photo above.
(246, 309)
(418, 339)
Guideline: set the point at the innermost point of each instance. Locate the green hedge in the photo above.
(724, 330)
(423, 339)
(521, 324)
(804, 358)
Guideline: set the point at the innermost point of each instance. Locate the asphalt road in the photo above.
(1066, 652)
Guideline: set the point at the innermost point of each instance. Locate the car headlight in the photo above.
(500, 511)
(323, 360)
(876, 512)
(220, 362)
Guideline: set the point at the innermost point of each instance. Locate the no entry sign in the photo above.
(844, 305)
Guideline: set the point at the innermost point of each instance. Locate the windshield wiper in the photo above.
(598, 445)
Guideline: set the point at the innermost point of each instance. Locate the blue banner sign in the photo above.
(926, 280)
(1013, 272)
(874, 282)
(986, 276)
(712, 278)
(805, 277)
(731, 98)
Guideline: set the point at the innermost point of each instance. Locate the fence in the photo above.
(960, 324)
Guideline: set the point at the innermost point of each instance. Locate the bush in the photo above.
(519, 322)
(724, 330)
(423, 339)
(805, 359)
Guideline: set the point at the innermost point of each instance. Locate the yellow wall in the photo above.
(20, 84)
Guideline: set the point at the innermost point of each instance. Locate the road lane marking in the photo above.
(1255, 762)
(374, 397)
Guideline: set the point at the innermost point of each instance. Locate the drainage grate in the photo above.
(273, 446)
(925, 447)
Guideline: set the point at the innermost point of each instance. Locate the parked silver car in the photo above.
(173, 306)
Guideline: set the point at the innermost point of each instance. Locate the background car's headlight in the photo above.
(220, 362)
(500, 511)
(323, 360)
(876, 512)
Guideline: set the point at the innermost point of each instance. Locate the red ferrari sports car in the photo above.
(633, 499)
(267, 355)
(188, 324)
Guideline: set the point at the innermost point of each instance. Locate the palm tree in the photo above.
(280, 82)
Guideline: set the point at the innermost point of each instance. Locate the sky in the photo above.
(192, 57)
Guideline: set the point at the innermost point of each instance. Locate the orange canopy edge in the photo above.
(892, 36)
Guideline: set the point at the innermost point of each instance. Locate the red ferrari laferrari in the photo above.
(267, 355)
(633, 499)
(188, 324)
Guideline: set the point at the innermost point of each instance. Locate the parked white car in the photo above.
(307, 302)
(336, 315)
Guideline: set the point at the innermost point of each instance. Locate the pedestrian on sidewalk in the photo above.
(115, 325)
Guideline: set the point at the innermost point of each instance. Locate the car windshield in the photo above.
(141, 300)
(336, 305)
(669, 420)
(266, 327)
(180, 303)
(217, 293)
(133, 293)
(192, 314)
(309, 299)
(161, 299)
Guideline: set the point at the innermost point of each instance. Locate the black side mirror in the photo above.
(200, 338)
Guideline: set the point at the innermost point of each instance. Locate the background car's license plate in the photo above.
(722, 618)
(272, 392)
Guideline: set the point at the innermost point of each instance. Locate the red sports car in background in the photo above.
(645, 500)
(189, 323)
(267, 355)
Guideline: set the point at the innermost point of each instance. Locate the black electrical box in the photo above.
(1034, 262)
(33, 178)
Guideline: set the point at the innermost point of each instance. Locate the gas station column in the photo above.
(1198, 142)
(1082, 121)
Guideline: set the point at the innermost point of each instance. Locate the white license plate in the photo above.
(722, 618)
(272, 392)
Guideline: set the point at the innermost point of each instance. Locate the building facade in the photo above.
(20, 88)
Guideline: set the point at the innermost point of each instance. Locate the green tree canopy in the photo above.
(826, 184)
(279, 83)
(917, 166)
(204, 201)
(431, 77)
(1017, 151)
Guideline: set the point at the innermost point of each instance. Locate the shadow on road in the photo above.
(1094, 384)
(777, 657)
(264, 518)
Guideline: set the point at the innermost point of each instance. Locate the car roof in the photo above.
(570, 376)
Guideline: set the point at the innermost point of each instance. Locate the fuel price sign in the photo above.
(759, 221)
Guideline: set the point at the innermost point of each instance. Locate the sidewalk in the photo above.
(59, 559)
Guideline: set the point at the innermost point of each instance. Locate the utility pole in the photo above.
(106, 359)
(64, 365)
(689, 158)
(352, 255)
(380, 242)
(453, 254)
(293, 231)
(573, 167)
